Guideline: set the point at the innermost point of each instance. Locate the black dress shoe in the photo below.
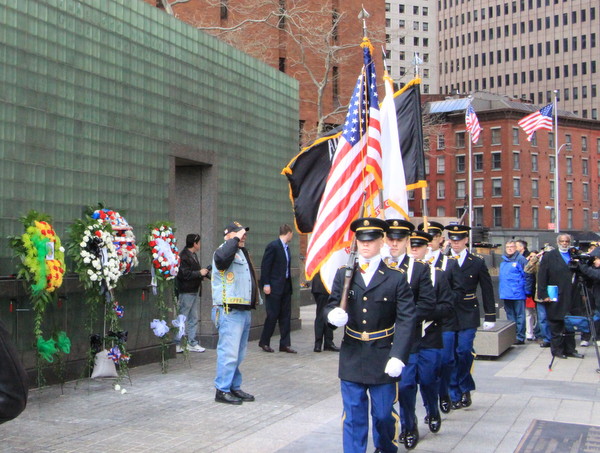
(317, 348)
(445, 404)
(412, 439)
(545, 344)
(287, 349)
(331, 347)
(266, 348)
(575, 355)
(435, 423)
(561, 356)
(465, 399)
(227, 398)
(519, 342)
(455, 405)
(402, 437)
(242, 395)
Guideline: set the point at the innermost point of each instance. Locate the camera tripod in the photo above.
(589, 315)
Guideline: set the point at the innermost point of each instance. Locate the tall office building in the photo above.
(411, 27)
(522, 48)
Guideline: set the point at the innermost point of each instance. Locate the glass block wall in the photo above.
(95, 94)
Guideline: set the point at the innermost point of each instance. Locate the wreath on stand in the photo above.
(42, 266)
(161, 247)
(98, 265)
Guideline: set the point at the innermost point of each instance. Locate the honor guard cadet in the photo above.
(473, 272)
(379, 324)
(449, 266)
(430, 353)
(419, 279)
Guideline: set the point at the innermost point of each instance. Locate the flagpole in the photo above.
(556, 150)
(470, 187)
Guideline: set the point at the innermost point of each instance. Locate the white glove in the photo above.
(337, 317)
(394, 367)
(488, 325)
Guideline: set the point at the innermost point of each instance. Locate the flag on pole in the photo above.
(540, 119)
(472, 123)
(356, 168)
(395, 198)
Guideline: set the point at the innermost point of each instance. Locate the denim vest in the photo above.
(234, 285)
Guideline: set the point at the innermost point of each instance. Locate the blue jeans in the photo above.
(233, 328)
(356, 416)
(188, 306)
(515, 312)
(462, 381)
(543, 322)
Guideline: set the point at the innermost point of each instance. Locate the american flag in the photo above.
(472, 124)
(356, 167)
(541, 119)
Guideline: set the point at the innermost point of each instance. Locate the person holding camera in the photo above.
(554, 270)
(590, 269)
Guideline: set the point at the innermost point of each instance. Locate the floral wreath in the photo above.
(165, 255)
(97, 259)
(124, 239)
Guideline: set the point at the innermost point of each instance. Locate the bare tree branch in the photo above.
(169, 6)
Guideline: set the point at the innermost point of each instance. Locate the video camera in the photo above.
(577, 256)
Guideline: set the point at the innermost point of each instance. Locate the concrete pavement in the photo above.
(297, 407)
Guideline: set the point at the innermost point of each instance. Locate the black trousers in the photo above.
(561, 342)
(279, 310)
(322, 328)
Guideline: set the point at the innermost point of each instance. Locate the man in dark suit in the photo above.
(419, 278)
(323, 331)
(473, 272)
(554, 270)
(379, 325)
(276, 281)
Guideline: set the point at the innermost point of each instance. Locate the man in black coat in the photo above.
(379, 325)
(554, 270)
(473, 272)
(276, 281)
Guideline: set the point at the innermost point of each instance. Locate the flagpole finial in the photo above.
(364, 15)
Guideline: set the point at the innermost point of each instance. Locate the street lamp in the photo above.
(556, 189)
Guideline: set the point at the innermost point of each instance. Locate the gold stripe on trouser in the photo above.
(397, 417)
(473, 364)
(343, 419)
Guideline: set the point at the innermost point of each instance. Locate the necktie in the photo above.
(393, 263)
(364, 267)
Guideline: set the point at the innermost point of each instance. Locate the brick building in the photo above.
(300, 39)
(513, 179)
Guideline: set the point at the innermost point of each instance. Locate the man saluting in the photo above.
(379, 325)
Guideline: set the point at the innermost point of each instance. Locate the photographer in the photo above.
(590, 268)
(554, 270)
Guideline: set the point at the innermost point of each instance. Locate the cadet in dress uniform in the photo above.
(379, 324)
(448, 265)
(418, 276)
(430, 352)
(473, 272)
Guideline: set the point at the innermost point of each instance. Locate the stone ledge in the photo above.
(493, 342)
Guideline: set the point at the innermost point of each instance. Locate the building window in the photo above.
(497, 187)
(516, 187)
(584, 167)
(440, 187)
(478, 216)
(478, 188)
(516, 217)
(496, 161)
(585, 191)
(584, 144)
(535, 190)
(461, 189)
(515, 136)
(598, 145)
(535, 220)
(441, 211)
(497, 215)
(478, 158)
(569, 218)
(441, 143)
(552, 164)
(496, 140)
(569, 166)
(460, 139)
(569, 190)
(460, 164)
(441, 165)
(586, 219)
(550, 139)
(568, 142)
(516, 160)
(534, 162)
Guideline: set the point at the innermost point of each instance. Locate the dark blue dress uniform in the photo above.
(381, 323)
(472, 272)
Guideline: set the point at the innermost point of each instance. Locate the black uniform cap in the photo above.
(419, 238)
(432, 227)
(369, 228)
(457, 232)
(399, 228)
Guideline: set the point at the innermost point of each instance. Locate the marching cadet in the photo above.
(449, 267)
(430, 352)
(418, 276)
(473, 272)
(379, 325)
